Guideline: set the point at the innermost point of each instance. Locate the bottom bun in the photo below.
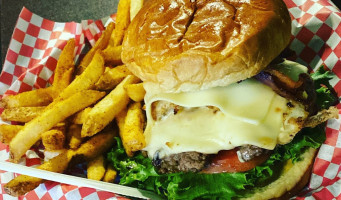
(292, 180)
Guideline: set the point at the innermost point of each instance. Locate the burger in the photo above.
(227, 116)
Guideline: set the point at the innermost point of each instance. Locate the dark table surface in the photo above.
(60, 10)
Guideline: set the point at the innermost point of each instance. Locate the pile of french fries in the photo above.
(81, 112)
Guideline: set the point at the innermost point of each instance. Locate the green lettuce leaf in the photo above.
(325, 94)
(139, 172)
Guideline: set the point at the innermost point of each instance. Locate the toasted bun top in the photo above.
(186, 45)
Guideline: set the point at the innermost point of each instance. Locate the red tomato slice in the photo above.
(227, 161)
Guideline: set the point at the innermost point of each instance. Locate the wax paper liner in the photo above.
(36, 44)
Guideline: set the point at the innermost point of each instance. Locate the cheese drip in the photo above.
(251, 113)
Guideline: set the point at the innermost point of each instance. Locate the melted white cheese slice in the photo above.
(251, 114)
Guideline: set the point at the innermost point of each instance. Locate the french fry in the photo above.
(34, 98)
(105, 110)
(79, 117)
(92, 148)
(136, 91)
(135, 7)
(112, 55)
(53, 140)
(120, 119)
(100, 44)
(123, 69)
(122, 22)
(58, 112)
(65, 66)
(87, 79)
(44, 96)
(112, 77)
(96, 168)
(21, 114)
(74, 136)
(131, 131)
(110, 174)
(7, 132)
(60, 126)
(23, 184)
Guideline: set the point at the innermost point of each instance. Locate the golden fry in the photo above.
(94, 147)
(135, 7)
(122, 22)
(112, 55)
(79, 117)
(123, 69)
(120, 119)
(112, 77)
(74, 136)
(39, 97)
(87, 79)
(136, 91)
(52, 115)
(21, 114)
(100, 44)
(105, 110)
(96, 168)
(131, 131)
(7, 132)
(23, 184)
(110, 174)
(53, 140)
(65, 66)
(91, 149)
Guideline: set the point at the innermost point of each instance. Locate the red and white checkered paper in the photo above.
(36, 44)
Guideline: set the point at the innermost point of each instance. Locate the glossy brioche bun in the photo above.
(292, 180)
(186, 45)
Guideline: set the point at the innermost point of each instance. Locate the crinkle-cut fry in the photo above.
(53, 139)
(65, 66)
(106, 109)
(79, 117)
(136, 91)
(74, 136)
(33, 98)
(100, 44)
(86, 80)
(92, 148)
(7, 132)
(52, 115)
(112, 55)
(96, 168)
(131, 132)
(110, 174)
(112, 77)
(21, 114)
(135, 7)
(122, 22)
(23, 183)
